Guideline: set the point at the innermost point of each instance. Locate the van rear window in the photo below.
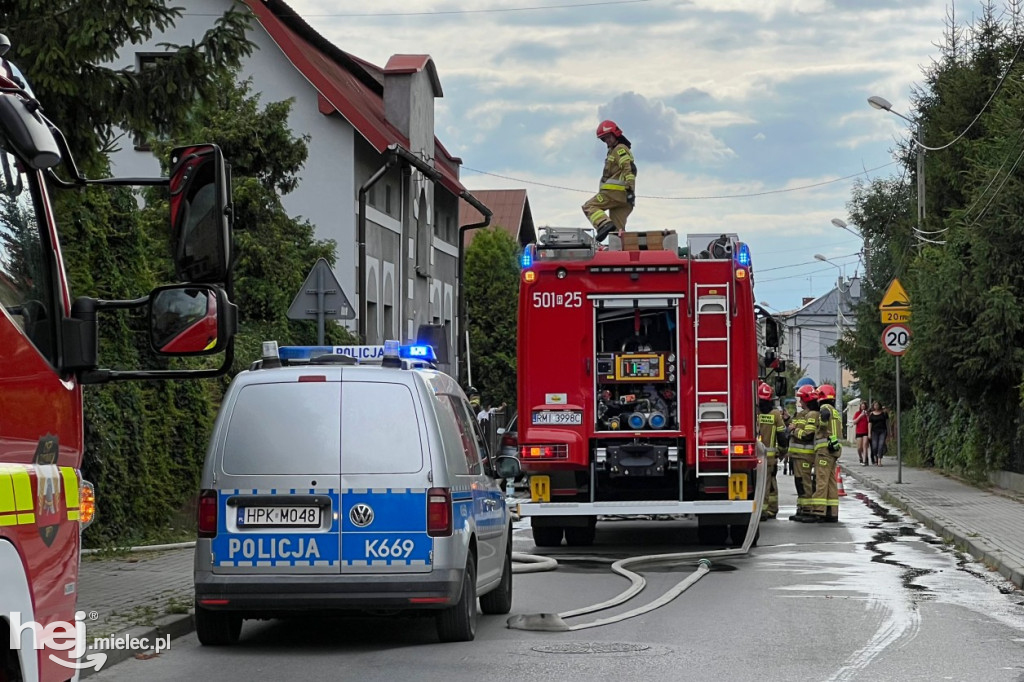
(286, 428)
(380, 430)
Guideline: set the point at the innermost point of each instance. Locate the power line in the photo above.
(493, 10)
(795, 265)
(687, 198)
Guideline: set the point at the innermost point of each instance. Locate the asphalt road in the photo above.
(877, 597)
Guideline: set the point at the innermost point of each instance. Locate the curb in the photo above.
(176, 625)
(963, 539)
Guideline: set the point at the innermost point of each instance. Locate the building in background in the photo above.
(352, 111)
(511, 208)
(814, 327)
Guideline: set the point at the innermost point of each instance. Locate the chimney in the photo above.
(410, 86)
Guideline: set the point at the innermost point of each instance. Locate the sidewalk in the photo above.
(988, 525)
(138, 595)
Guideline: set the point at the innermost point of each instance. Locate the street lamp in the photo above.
(839, 331)
(883, 104)
(841, 224)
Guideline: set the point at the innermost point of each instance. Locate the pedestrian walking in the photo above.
(610, 207)
(801, 449)
(825, 499)
(879, 421)
(860, 425)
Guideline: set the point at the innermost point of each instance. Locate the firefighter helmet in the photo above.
(806, 392)
(826, 392)
(608, 128)
(765, 392)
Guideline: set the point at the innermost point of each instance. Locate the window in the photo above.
(380, 429)
(471, 440)
(26, 277)
(371, 196)
(144, 62)
(387, 199)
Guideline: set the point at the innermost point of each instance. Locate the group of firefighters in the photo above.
(811, 442)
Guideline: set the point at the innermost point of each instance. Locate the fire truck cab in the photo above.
(637, 369)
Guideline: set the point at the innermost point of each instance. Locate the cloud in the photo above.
(660, 133)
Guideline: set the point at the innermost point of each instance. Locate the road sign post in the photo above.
(895, 339)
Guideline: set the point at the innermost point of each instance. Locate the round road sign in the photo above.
(895, 339)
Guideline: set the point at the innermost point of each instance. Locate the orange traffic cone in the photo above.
(839, 481)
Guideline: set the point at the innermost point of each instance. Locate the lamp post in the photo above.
(841, 224)
(884, 104)
(839, 331)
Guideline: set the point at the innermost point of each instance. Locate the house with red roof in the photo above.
(510, 209)
(371, 128)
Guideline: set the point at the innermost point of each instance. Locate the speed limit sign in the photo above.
(895, 339)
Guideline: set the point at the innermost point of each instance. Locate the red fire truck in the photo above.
(48, 351)
(637, 369)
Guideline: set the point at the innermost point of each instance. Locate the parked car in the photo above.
(336, 486)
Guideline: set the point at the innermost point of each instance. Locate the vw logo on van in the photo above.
(360, 515)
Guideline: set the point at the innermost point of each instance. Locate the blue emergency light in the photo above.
(527, 258)
(418, 352)
(743, 255)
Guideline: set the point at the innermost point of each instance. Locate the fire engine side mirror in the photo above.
(507, 466)
(200, 214)
(27, 132)
(781, 386)
(771, 332)
(190, 319)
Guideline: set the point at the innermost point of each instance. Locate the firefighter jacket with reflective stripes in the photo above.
(770, 427)
(828, 429)
(619, 170)
(804, 424)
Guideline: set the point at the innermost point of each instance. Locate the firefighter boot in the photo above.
(603, 230)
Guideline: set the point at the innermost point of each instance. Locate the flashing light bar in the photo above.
(418, 352)
(743, 255)
(526, 260)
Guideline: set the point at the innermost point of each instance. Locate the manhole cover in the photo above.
(591, 648)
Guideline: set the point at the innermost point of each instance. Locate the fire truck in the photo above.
(637, 364)
(48, 352)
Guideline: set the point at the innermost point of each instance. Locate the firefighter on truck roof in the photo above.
(771, 431)
(610, 207)
(801, 450)
(825, 500)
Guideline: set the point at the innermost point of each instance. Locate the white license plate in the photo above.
(558, 417)
(281, 517)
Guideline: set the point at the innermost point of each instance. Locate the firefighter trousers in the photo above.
(803, 470)
(825, 500)
(770, 508)
(608, 205)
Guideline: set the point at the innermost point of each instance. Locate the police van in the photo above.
(331, 485)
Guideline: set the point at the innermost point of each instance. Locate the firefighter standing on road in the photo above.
(801, 450)
(608, 209)
(771, 431)
(825, 501)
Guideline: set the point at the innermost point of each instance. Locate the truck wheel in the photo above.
(217, 628)
(499, 600)
(712, 535)
(739, 532)
(580, 537)
(458, 623)
(547, 536)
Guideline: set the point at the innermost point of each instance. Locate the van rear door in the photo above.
(385, 467)
(277, 477)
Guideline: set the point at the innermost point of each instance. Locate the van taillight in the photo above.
(208, 513)
(439, 512)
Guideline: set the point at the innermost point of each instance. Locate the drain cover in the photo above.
(591, 648)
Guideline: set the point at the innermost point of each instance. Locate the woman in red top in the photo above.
(860, 422)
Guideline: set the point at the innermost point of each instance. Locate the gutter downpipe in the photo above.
(392, 159)
(462, 337)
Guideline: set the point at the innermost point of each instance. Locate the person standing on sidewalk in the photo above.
(825, 500)
(771, 431)
(610, 207)
(801, 449)
(860, 424)
(879, 420)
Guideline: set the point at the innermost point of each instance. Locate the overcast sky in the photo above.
(719, 97)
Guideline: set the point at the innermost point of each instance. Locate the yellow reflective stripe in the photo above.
(22, 491)
(818, 501)
(8, 519)
(70, 477)
(26, 518)
(6, 492)
(832, 503)
(73, 516)
(613, 185)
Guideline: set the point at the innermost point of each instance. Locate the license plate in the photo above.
(279, 517)
(558, 417)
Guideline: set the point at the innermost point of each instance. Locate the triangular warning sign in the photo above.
(307, 303)
(895, 297)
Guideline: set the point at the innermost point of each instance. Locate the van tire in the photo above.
(458, 623)
(217, 628)
(499, 600)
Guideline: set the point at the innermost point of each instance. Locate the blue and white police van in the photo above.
(330, 485)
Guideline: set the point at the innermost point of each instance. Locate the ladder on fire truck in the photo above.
(712, 348)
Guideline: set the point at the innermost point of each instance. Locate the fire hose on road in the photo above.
(555, 622)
